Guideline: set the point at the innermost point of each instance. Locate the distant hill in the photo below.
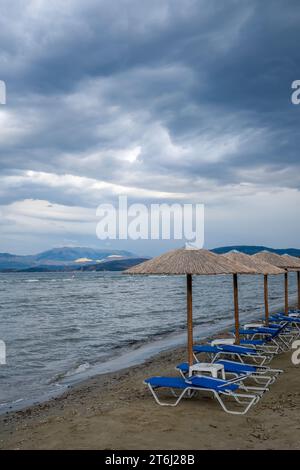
(69, 254)
(252, 250)
(115, 265)
(8, 261)
(65, 256)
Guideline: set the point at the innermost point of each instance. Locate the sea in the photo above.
(62, 328)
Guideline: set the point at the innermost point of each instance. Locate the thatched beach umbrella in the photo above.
(280, 262)
(297, 262)
(191, 262)
(261, 267)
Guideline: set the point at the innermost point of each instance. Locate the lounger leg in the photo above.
(266, 380)
(258, 390)
(253, 399)
(271, 349)
(283, 346)
(263, 359)
(161, 403)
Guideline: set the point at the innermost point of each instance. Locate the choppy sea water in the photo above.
(60, 328)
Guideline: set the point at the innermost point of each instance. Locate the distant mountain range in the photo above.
(252, 250)
(90, 259)
(116, 265)
(67, 259)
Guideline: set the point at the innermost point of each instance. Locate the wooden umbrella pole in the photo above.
(236, 309)
(189, 318)
(266, 290)
(298, 279)
(286, 293)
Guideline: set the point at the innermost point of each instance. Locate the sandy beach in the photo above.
(116, 411)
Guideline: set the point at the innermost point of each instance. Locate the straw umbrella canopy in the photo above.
(261, 267)
(296, 260)
(292, 260)
(280, 262)
(191, 262)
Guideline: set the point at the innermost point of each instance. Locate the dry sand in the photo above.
(116, 411)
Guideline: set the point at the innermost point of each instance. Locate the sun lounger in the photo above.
(242, 353)
(294, 313)
(218, 388)
(285, 318)
(278, 336)
(267, 336)
(260, 346)
(289, 324)
(260, 374)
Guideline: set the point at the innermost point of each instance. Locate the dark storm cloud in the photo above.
(55, 46)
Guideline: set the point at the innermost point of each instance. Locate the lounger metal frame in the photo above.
(241, 398)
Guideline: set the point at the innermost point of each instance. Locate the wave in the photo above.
(11, 403)
(70, 373)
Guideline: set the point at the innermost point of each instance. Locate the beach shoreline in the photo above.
(116, 411)
(122, 360)
(118, 362)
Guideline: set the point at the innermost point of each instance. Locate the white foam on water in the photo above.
(11, 403)
(78, 370)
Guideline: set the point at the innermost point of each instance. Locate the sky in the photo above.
(164, 101)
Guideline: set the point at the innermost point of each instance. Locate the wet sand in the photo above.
(116, 411)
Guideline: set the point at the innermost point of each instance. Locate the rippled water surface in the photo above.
(57, 326)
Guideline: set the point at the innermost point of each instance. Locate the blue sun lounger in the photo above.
(260, 374)
(291, 325)
(276, 336)
(280, 318)
(255, 370)
(189, 387)
(242, 353)
(292, 312)
(254, 342)
(295, 312)
(262, 346)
